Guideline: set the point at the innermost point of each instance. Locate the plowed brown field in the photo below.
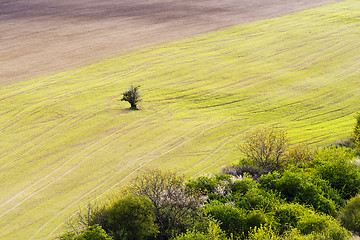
(42, 36)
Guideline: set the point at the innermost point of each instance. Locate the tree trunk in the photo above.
(133, 106)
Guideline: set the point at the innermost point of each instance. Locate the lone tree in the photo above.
(132, 96)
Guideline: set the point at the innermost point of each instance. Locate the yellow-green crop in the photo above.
(66, 140)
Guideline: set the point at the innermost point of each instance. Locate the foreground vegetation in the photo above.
(67, 135)
(295, 194)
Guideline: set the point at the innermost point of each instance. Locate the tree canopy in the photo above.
(132, 96)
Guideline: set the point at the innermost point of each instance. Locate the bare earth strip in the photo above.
(40, 36)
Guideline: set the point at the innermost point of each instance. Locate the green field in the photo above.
(66, 140)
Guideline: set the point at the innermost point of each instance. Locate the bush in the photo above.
(299, 155)
(350, 215)
(312, 223)
(244, 168)
(266, 148)
(335, 166)
(176, 206)
(213, 232)
(192, 235)
(287, 216)
(216, 187)
(232, 220)
(322, 226)
(268, 233)
(243, 186)
(299, 222)
(294, 234)
(237, 222)
(257, 218)
(263, 233)
(257, 199)
(302, 187)
(132, 217)
(91, 233)
(204, 183)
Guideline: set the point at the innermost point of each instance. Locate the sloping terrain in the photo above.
(66, 140)
(41, 36)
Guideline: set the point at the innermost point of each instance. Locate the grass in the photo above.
(66, 140)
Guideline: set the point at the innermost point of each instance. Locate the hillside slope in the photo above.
(66, 140)
(41, 37)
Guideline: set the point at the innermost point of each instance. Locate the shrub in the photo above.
(335, 166)
(256, 198)
(322, 226)
(204, 183)
(263, 233)
(67, 236)
(303, 223)
(245, 167)
(89, 215)
(256, 218)
(241, 187)
(312, 223)
(176, 207)
(213, 232)
(350, 215)
(268, 233)
(333, 153)
(216, 187)
(287, 216)
(294, 234)
(302, 187)
(132, 217)
(237, 222)
(266, 148)
(232, 220)
(299, 155)
(191, 235)
(91, 233)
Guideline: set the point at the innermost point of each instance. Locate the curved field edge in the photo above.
(66, 140)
